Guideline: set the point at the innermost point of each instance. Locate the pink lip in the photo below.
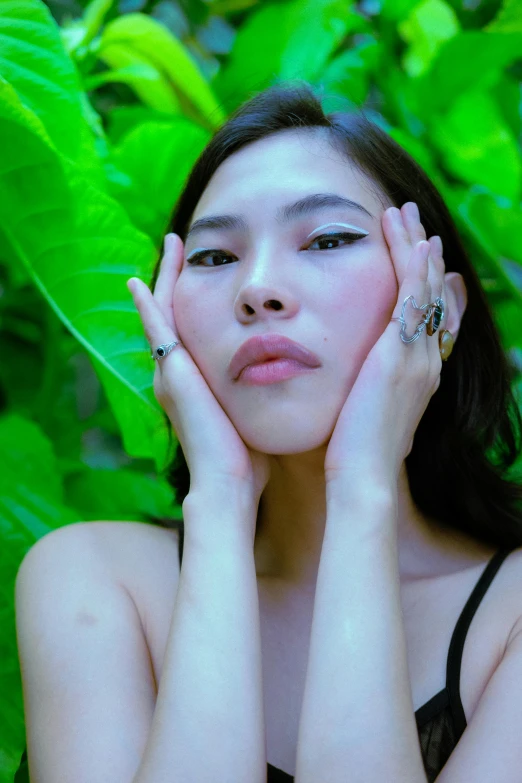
(269, 346)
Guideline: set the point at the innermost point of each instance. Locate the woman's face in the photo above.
(271, 275)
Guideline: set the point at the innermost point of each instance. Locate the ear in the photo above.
(456, 302)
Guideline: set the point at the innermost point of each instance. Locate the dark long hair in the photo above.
(469, 436)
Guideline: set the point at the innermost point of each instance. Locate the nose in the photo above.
(255, 301)
(267, 287)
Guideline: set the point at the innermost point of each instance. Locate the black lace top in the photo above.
(441, 721)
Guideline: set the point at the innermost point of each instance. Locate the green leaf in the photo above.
(500, 219)
(77, 34)
(157, 158)
(137, 39)
(120, 494)
(349, 73)
(80, 249)
(508, 19)
(394, 10)
(292, 40)
(127, 75)
(35, 63)
(477, 145)
(31, 491)
(430, 24)
(472, 60)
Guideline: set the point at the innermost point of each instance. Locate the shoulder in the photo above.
(113, 544)
(509, 590)
(130, 554)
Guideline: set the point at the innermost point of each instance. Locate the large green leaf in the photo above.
(31, 492)
(349, 73)
(472, 60)
(120, 495)
(34, 61)
(429, 24)
(292, 40)
(80, 249)
(501, 220)
(477, 145)
(508, 19)
(157, 158)
(137, 39)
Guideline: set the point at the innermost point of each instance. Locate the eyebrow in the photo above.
(302, 208)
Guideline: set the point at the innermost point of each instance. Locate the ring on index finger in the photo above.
(431, 320)
(164, 349)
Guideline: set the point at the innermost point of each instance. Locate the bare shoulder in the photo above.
(85, 665)
(144, 559)
(509, 591)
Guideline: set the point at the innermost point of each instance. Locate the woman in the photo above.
(348, 511)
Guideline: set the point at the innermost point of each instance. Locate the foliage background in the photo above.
(103, 110)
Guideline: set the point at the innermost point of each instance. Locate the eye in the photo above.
(329, 238)
(197, 258)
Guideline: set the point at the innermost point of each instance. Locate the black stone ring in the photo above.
(164, 349)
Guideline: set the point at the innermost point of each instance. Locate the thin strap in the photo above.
(459, 637)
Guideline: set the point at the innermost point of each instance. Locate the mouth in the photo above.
(269, 349)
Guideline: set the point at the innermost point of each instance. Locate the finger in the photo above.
(155, 325)
(411, 219)
(412, 293)
(398, 238)
(438, 267)
(170, 268)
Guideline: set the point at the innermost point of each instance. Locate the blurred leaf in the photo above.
(508, 316)
(472, 60)
(119, 495)
(477, 146)
(80, 32)
(80, 250)
(127, 75)
(500, 219)
(138, 39)
(216, 35)
(468, 221)
(509, 18)
(508, 94)
(291, 40)
(417, 150)
(394, 10)
(31, 491)
(349, 73)
(224, 7)
(157, 157)
(430, 23)
(123, 119)
(36, 64)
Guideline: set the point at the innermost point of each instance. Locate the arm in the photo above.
(357, 721)
(208, 723)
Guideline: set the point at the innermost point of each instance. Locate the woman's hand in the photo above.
(375, 428)
(217, 457)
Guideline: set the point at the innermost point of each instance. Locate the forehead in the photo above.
(290, 163)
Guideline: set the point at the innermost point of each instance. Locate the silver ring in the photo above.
(164, 349)
(439, 303)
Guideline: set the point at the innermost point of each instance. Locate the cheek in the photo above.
(194, 323)
(361, 309)
(366, 298)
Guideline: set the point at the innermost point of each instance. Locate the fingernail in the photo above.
(414, 209)
(438, 243)
(131, 284)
